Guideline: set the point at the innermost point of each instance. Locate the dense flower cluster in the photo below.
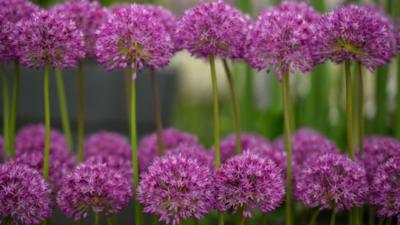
(177, 188)
(332, 180)
(24, 195)
(193, 151)
(48, 38)
(213, 28)
(385, 191)
(107, 143)
(123, 166)
(88, 17)
(269, 152)
(133, 38)
(93, 187)
(283, 38)
(357, 33)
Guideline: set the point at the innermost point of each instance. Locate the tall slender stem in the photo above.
(397, 128)
(349, 110)
(360, 108)
(333, 217)
(242, 219)
(81, 112)
(6, 111)
(62, 101)
(14, 108)
(264, 219)
(157, 112)
(46, 121)
(288, 145)
(314, 217)
(96, 218)
(235, 106)
(133, 132)
(216, 110)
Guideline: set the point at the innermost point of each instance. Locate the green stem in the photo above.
(314, 217)
(81, 112)
(6, 111)
(110, 221)
(381, 99)
(371, 215)
(235, 106)
(133, 132)
(264, 219)
(349, 110)
(333, 217)
(63, 107)
(288, 147)
(46, 121)
(242, 220)
(96, 219)
(220, 219)
(157, 112)
(196, 221)
(397, 128)
(360, 108)
(216, 111)
(381, 221)
(14, 108)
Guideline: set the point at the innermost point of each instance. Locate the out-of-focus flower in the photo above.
(133, 38)
(193, 151)
(398, 34)
(172, 138)
(93, 187)
(357, 33)
(16, 10)
(177, 188)
(247, 182)
(107, 144)
(213, 28)
(88, 17)
(283, 38)
(123, 166)
(385, 191)
(48, 37)
(269, 152)
(332, 180)
(24, 195)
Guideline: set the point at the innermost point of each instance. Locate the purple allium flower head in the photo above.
(88, 17)
(249, 182)
(193, 151)
(269, 152)
(398, 34)
(332, 179)
(283, 38)
(357, 33)
(107, 143)
(213, 28)
(93, 187)
(24, 195)
(16, 10)
(31, 139)
(172, 137)
(385, 191)
(133, 38)
(177, 188)
(7, 45)
(48, 37)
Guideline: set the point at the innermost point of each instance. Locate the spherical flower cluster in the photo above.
(93, 187)
(7, 51)
(172, 138)
(357, 33)
(88, 17)
(24, 195)
(213, 28)
(123, 166)
(247, 182)
(133, 38)
(332, 180)
(283, 38)
(49, 38)
(385, 191)
(177, 188)
(193, 151)
(269, 152)
(107, 143)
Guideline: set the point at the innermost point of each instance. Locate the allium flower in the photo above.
(385, 191)
(213, 28)
(133, 38)
(31, 139)
(283, 38)
(123, 166)
(88, 17)
(24, 195)
(7, 45)
(193, 151)
(398, 34)
(357, 33)
(269, 152)
(172, 138)
(16, 10)
(106, 144)
(247, 182)
(93, 187)
(48, 37)
(176, 188)
(332, 179)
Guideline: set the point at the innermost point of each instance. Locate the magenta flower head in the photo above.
(332, 180)
(357, 33)
(133, 38)
(213, 28)
(93, 187)
(49, 38)
(107, 144)
(385, 193)
(172, 138)
(247, 182)
(269, 152)
(283, 37)
(193, 151)
(176, 188)
(88, 17)
(24, 195)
